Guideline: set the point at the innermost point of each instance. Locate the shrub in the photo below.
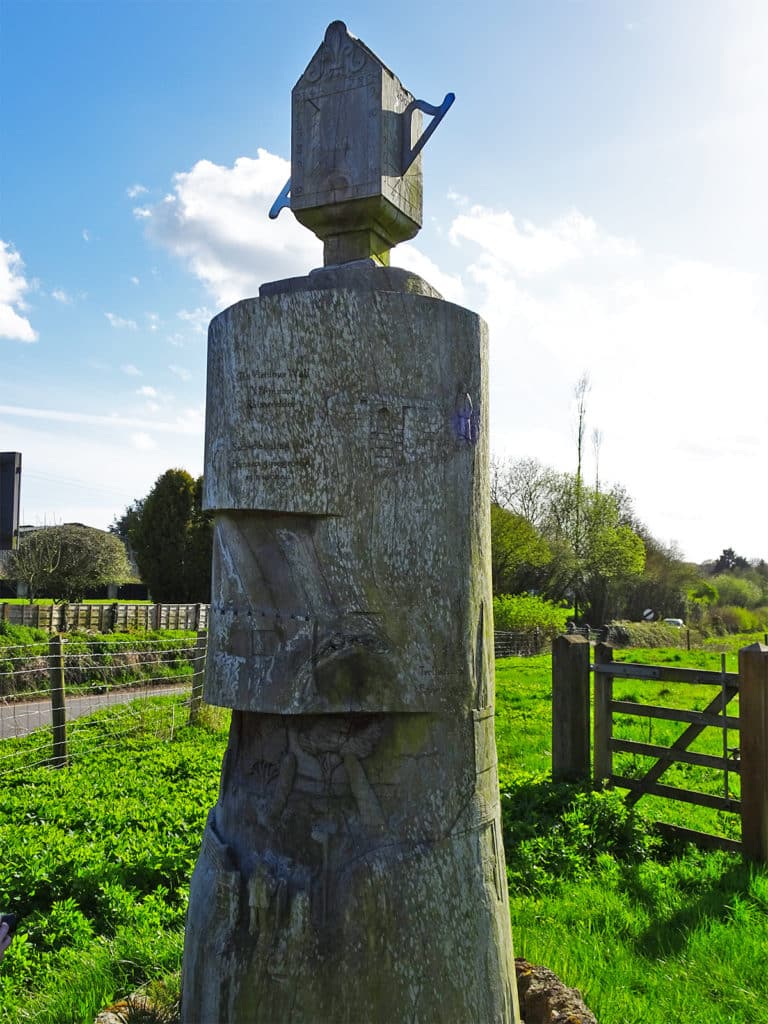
(555, 832)
(735, 590)
(645, 634)
(522, 613)
(735, 619)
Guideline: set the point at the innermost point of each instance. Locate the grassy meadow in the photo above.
(97, 860)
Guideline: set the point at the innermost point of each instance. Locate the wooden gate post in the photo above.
(198, 660)
(603, 714)
(58, 709)
(570, 708)
(753, 742)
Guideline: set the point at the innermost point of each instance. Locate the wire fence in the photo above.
(53, 697)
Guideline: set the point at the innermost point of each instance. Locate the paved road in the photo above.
(19, 719)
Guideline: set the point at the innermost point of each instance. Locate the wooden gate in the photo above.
(747, 759)
(714, 715)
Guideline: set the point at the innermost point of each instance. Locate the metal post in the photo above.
(196, 700)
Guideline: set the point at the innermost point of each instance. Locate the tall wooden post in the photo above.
(753, 725)
(570, 708)
(198, 660)
(58, 710)
(603, 715)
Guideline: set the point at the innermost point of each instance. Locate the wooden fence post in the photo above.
(201, 646)
(58, 709)
(753, 743)
(570, 708)
(603, 758)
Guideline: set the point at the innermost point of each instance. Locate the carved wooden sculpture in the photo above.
(352, 869)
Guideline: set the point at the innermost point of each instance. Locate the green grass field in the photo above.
(97, 860)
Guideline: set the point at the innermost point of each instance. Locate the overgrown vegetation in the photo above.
(92, 659)
(524, 613)
(97, 859)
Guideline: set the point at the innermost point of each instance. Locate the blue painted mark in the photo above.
(466, 419)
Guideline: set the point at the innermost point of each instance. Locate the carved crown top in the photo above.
(339, 55)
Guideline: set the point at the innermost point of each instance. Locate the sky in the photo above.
(596, 193)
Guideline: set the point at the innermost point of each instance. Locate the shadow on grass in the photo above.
(712, 900)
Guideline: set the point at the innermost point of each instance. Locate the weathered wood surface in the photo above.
(347, 180)
(753, 709)
(682, 742)
(666, 674)
(640, 710)
(353, 867)
(640, 787)
(570, 708)
(603, 713)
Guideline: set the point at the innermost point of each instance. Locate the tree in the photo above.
(729, 561)
(518, 552)
(171, 538)
(65, 562)
(596, 551)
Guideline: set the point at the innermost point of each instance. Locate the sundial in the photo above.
(353, 866)
(356, 142)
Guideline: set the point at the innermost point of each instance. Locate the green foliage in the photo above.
(648, 931)
(729, 561)
(555, 833)
(735, 619)
(522, 613)
(737, 590)
(64, 562)
(171, 538)
(646, 634)
(595, 550)
(91, 659)
(517, 551)
(96, 861)
(11, 635)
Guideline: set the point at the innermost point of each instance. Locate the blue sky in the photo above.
(597, 192)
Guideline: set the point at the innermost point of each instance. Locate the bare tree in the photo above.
(597, 441)
(580, 393)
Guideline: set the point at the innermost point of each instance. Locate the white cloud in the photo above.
(187, 423)
(143, 442)
(666, 342)
(529, 250)
(198, 319)
(86, 235)
(181, 372)
(153, 321)
(135, 280)
(120, 322)
(130, 370)
(136, 190)
(61, 296)
(13, 286)
(142, 212)
(410, 258)
(216, 222)
(147, 391)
